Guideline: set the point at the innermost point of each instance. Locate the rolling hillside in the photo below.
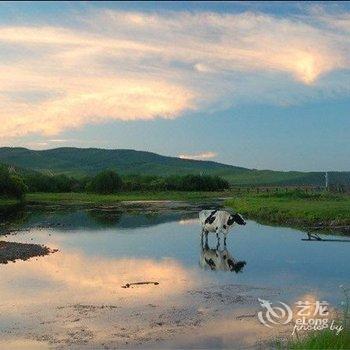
(89, 161)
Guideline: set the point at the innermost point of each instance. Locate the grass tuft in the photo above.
(325, 339)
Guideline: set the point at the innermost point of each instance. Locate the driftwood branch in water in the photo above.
(314, 237)
(128, 285)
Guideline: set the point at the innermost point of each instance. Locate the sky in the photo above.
(262, 85)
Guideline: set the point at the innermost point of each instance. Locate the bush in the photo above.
(107, 182)
(11, 185)
(53, 183)
(143, 183)
(196, 183)
(17, 188)
(110, 182)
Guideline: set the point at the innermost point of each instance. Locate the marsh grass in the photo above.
(295, 207)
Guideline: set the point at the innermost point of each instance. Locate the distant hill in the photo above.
(89, 161)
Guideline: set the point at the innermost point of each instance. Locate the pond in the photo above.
(207, 294)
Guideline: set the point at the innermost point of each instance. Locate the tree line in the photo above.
(13, 184)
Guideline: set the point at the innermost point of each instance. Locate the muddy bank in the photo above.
(12, 251)
(137, 205)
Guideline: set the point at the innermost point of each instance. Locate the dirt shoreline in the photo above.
(12, 251)
(137, 204)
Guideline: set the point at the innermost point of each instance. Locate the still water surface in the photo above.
(73, 298)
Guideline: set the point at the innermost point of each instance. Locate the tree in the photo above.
(16, 187)
(106, 182)
(11, 185)
(196, 183)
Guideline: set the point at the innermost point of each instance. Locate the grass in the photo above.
(82, 198)
(325, 339)
(295, 208)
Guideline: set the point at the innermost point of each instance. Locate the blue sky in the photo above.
(256, 84)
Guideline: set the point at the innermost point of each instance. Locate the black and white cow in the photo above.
(219, 221)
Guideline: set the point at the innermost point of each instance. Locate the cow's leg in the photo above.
(225, 240)
(217, 235)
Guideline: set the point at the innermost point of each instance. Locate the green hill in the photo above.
(89, 161)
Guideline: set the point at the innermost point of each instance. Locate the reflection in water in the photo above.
(218, 259)
(20, 217)
(12, 217)
(74, 299)
(73, 276)
(20, 344)
(106, 218)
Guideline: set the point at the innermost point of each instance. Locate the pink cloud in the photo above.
(119, 66)
(199, 156)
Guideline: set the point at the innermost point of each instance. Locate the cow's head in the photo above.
(236, 266)
(235, 218)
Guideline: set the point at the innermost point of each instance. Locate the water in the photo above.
(73, 298)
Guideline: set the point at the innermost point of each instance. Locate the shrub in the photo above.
(52, 183)
(106, 182)
(11, 185)
(17, 188)
(196, 183)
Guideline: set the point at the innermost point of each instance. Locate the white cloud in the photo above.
(199, 156)
(131, 66)
(200, 67)
(58, 140)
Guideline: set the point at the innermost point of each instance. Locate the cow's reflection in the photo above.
(218, 259)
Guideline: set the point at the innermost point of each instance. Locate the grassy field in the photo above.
(82, 198)
(7, 201)
(296, 208)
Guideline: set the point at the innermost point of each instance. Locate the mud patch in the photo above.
(12, 251)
